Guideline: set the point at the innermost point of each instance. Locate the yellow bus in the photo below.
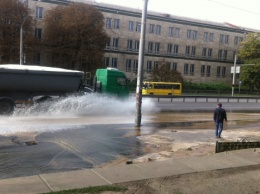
(161, 88)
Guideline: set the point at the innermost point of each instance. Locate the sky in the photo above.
(242, 13)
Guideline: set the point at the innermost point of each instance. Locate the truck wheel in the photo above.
(6, 107)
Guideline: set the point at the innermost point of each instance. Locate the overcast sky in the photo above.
(243, 13)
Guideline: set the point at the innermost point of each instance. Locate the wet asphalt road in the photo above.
(84, 147)
(80, 141)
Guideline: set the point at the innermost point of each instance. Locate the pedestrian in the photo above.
(219, 116)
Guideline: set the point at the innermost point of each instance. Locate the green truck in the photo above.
(111, 81)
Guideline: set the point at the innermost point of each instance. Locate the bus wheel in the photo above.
(151, 93)
(170, 94)
(6, 107)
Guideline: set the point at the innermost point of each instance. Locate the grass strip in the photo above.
(96, 189)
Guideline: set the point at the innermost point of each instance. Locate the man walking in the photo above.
(219, 116)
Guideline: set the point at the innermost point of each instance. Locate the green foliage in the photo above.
(250, 48)
(250, 77)
(218, 86)
(250, 54)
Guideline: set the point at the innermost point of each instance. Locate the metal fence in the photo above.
(194, 98)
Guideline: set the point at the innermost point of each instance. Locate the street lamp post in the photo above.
(21, 41)
(21, 45)
(140, 67)
(234, 75)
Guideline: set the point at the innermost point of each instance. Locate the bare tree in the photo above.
(13, 15)
(74, 36)
(164, 73)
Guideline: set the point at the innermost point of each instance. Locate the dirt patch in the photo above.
(234, 180)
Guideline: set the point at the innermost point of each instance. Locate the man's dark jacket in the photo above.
(220, 115)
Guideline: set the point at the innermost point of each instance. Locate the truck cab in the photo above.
(111, 81)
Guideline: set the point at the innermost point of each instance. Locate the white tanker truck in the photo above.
(21, 83)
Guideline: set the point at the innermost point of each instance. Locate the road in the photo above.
(86, 132)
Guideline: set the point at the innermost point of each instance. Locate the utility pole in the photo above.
(234, 75)
(140, 67)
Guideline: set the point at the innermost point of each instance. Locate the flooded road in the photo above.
(91, 131)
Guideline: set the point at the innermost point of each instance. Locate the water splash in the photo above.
(90, 104)
(71, 113)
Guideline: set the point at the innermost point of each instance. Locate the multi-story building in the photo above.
(202, 51)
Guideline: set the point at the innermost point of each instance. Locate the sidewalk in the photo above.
(125, 173)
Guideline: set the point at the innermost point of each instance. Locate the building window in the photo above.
(131, 26)
(225, 55)
(37, 58)
(155, 65)
(189, 34)
(129, 45)
(158, 30)
(170, 31)
(128, 65)
(137, 43)
(116, 23)
(135, 66)
(39, 12)
(187, 51)
(221, 38)
(236, 40)
(115, 43)
(106, 61)
(157, 48)
(150, 47)
(149, 66)
(205, 37)
(218, 71)
(177, 32)
(174, 66)
(38, 33)
(211, 37)
(108, 22)
(223, 72)
(138, 27)
(175, 49)
(202, 71)
(168, 66)
(114, 62)
(226, 39)
(209, 53)
(151, 30)
(206, 53)
(169, 49)
(193, 51)
(192, 34)
(219, 54)
(208, 71)
(192, 66)
(108, 40)
(186, 69)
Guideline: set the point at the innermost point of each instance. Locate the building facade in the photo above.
(201, 51)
